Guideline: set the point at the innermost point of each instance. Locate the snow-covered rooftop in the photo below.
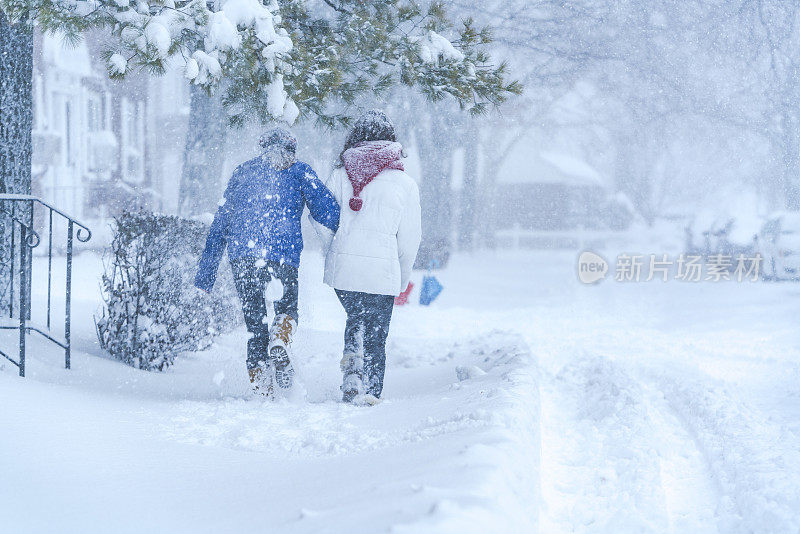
(525, 167)
(572, 167)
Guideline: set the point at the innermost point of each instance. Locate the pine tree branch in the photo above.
(337, 8)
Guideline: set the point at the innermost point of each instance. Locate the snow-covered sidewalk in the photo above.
(522, 401)
(454, 446)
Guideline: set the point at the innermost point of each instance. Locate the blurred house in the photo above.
(168, 122)
(90, 151)
(548, 199)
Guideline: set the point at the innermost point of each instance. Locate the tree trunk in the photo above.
(204, 154)
(435, 153)
(16, 125)
(636, 154)
(16, 106)
(790, 159)
(467, 217)
(487, 209)
(497, 146)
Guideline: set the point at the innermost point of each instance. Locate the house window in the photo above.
(94, 113)
(124, 118)
(133, 140)
(68, 131)
(134, 167)
(133, 124)
(56, 110)
(106, 111)
(39, 112)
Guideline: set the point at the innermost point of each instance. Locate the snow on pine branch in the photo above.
(280, 61)
(202, 36)
(434, 46)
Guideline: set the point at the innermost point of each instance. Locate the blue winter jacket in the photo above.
(260, 216)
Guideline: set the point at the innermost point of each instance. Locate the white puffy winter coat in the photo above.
(374, 249)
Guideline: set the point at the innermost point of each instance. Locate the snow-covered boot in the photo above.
(261, 378)
(366, 400)
(283, 328)
(352, 366)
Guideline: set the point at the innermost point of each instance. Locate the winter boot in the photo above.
(366, 400)
(283, 328)
(352, 366)
(261, 378)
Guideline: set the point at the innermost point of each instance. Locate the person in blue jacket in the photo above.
(259, 223)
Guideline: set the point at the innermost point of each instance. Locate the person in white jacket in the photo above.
(369, 259)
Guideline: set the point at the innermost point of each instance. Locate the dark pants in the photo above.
(251, 283)
(368, 318)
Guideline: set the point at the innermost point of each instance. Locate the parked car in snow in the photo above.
(779, 245)
(727, 236)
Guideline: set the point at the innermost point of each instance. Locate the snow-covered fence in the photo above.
(521, 238)
(152, 310)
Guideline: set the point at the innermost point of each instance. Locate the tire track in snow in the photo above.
(691, 496)
(616, 458)
(598, 473)
(754, 461)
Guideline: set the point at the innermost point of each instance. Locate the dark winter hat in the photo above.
(278, 138)
(374, 125)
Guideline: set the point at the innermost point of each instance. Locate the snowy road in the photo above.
(670, 407)
(660, 407)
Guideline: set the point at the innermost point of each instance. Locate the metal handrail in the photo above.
(82, 227)
(33, 236)
(31, 240)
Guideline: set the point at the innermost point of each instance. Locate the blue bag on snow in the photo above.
(431, 288)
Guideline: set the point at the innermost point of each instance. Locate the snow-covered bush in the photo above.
(152, 310)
